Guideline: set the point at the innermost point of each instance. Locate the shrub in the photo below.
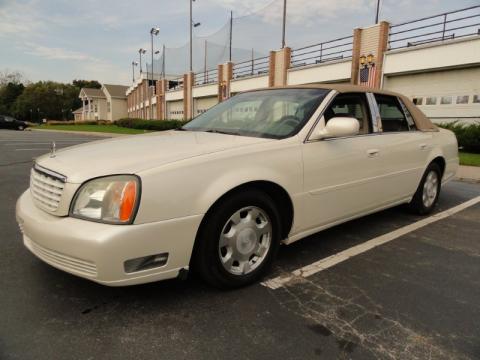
(156, 125)
(468, 135)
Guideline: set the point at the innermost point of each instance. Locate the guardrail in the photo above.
(254, 67)
(331, 50)
(206, 77)
(450, 25)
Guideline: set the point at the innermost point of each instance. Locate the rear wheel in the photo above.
(238, 241)
(426, 196)
(21, 127)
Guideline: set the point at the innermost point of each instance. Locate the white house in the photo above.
(107, 103)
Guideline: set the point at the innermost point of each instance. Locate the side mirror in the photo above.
(338, 127)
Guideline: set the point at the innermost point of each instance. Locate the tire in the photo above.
(428, 191)
(21, 128)
(238, 240)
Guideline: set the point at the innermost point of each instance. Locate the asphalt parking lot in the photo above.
(416, 296)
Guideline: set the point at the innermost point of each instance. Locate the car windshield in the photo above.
(275, 113)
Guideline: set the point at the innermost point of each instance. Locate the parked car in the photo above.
(8, 122)
(221, 194)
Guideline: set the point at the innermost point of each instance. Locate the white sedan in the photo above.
(220, 195)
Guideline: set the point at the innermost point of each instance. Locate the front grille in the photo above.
(46, 189)
(62, 261)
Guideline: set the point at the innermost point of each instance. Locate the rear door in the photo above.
(404, 151)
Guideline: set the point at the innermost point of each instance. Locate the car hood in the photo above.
(132, 154)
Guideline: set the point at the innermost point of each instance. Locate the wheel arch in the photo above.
(278, 194)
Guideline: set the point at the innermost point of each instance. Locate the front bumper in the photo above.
(98, 251)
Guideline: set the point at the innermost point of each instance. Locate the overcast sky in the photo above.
(98, 39)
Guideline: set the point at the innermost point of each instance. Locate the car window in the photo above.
(274, 113)
(391, 113)
(9, 119)
(350, 105)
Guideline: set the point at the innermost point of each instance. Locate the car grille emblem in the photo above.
(53, 149)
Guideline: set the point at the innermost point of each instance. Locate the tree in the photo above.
(46, 99)
(8, 95)
(86, 84)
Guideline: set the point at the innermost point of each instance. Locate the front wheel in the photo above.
(426, 196)
(238, 241)
(21, 128)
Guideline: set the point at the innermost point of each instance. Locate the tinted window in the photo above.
(350, 105)
(391, 113)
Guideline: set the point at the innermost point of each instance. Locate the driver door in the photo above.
(340, 174)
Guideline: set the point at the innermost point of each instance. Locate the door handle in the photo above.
(372, 152)
(423, 146)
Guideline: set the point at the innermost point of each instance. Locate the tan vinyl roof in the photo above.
(117, 91)
(78, 111)
(422, 122)
(90, 92)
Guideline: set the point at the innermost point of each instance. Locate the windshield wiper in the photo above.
(180, 129)
(215, 131)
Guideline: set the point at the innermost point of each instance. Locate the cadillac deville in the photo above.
(219, 195)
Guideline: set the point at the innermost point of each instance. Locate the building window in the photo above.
(96, 108)
(463, 99)
(108, 106)
(476, 99)
(417, 101)
(446, 100)
(432, 100)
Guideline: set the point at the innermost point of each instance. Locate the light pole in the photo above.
(163, 61)
(140, 52)
(153, 31)
(134, 63)
(284, 22)
(377, 12)
(192, 25)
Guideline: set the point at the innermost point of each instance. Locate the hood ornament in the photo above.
(53, 150)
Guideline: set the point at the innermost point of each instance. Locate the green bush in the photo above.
(468, 136)
(156, 125)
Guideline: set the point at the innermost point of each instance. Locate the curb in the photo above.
(90, 133)
(468, 173)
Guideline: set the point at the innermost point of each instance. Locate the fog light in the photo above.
(145, 262)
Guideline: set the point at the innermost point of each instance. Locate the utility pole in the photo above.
(153, 31)
(191, 35)
(377, 12)
(284, 22)
(205, 64)
(231, 31)
(163, 61)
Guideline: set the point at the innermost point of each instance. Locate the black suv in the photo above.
(8, 122)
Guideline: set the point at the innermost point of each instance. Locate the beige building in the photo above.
(77, 114)
(435, 61)
(107, 103)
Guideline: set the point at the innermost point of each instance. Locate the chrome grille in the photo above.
(46, 188)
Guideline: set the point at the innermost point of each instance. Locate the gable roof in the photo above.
(78, 111)
(116, 91)
(89, 92)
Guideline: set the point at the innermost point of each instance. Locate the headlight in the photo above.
(111, 199)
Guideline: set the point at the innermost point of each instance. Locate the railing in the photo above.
(450, 25)
(336, 49)
(206, 77)
(175, 84)
(254, 67)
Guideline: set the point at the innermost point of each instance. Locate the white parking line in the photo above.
(32, 149)
(335, 259)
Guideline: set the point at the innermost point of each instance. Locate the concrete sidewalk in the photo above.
(468, 173)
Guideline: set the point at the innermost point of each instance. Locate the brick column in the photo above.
(355, 56)
(225, 76)
(187, 95)
(371, 41)
(279, 64)
(161, 105)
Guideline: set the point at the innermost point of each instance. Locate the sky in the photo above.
(99, 39)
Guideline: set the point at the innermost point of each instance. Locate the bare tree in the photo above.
(12, 76)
